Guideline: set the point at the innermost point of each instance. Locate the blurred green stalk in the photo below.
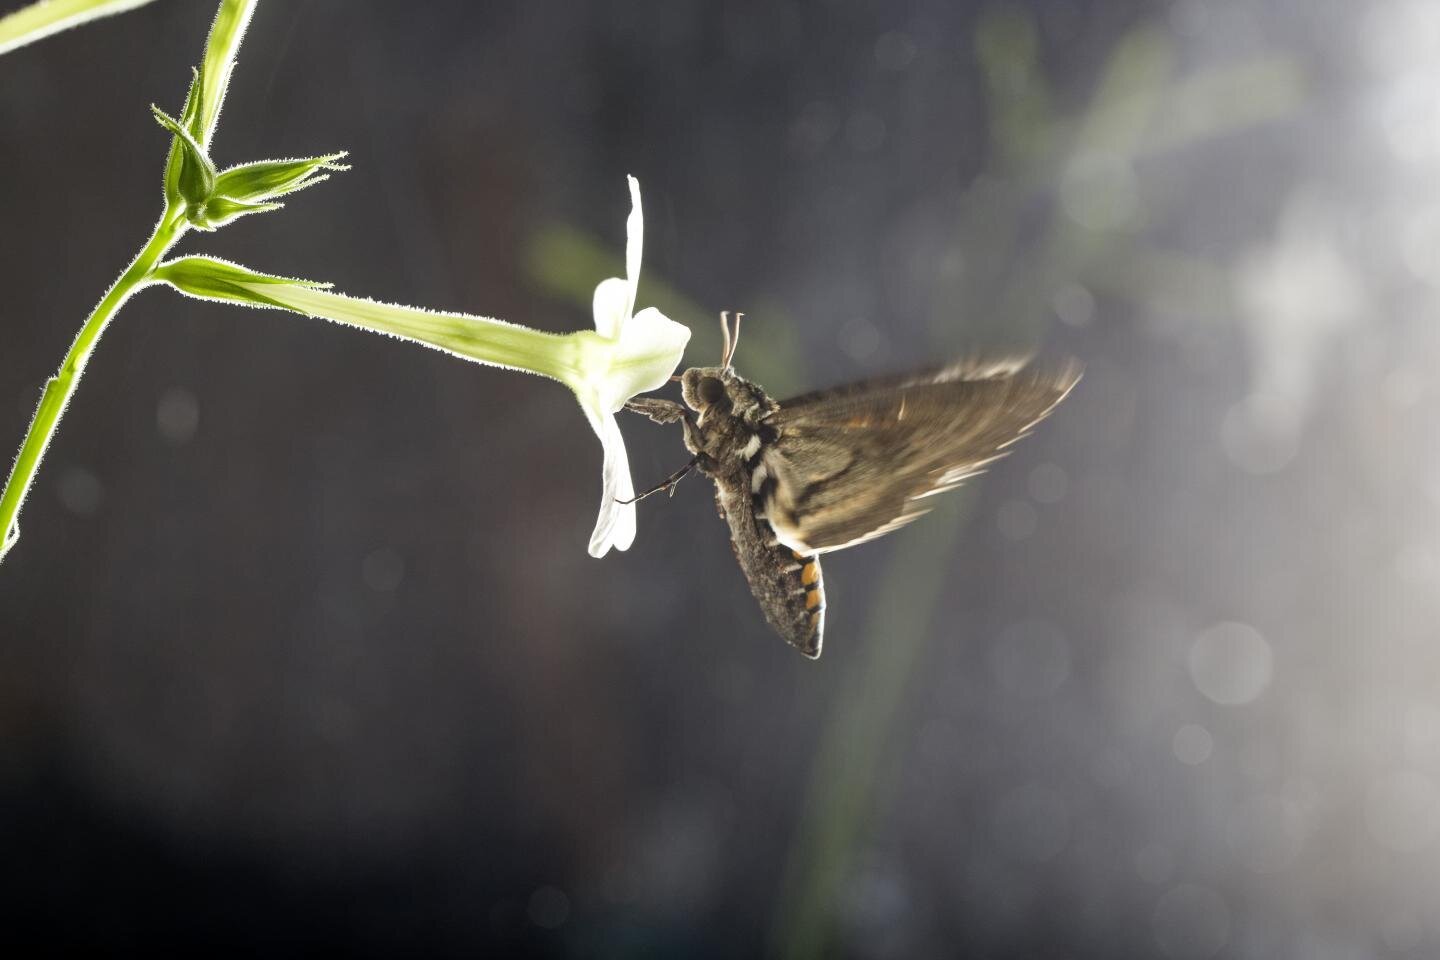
(40, 20)
(1132, 114)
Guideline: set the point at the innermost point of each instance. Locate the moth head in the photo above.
(723, 392)
(707, 388)
(720, 389)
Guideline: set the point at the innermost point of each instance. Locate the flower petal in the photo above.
(634, 242)
(649, 350)
(612, 307)
(615, 527)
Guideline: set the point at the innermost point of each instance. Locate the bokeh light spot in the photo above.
(1073, 305)
(1192, 744)
(895, 50)
(548, 908)
(177, 415)
(859, 338)
(1048, 483)
(1231, 663)
(80, 491)
(382, 569)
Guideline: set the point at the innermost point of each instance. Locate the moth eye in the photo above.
(710, 390)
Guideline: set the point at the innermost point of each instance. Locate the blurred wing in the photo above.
(851, 464)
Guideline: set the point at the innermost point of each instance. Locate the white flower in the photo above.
(624, 355)
(643, 350)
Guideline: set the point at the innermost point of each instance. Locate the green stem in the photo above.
(59, 388)
(560, 356)
(41, 19)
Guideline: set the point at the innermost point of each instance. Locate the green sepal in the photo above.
(189, 119)
(219, 211)
(191, 177)
(212, 279)
(268, 179)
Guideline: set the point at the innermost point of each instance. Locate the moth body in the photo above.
(727, 436)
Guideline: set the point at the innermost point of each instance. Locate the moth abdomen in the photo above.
(813, 591)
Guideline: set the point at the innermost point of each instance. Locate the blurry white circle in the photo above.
(1266, 834)
(1016, 519)
(1191, 922)
(382, 569)
(859, 338)
(1074, 305)
(1231, 663)
(894, 50)
(548, 908)
(1401, 811)
(1032, 823)
(1030, 659)
(1048, 483)
(816, 125)
(80, 491)
(1193, 744)
(177, 415)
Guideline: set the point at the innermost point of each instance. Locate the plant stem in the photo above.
(41, 19)
(59, 388)
(482, 339)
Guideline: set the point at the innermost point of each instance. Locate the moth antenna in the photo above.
(734, 339)
(725, 335)
(676, 379)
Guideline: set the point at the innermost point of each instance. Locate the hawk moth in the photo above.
(834, 468)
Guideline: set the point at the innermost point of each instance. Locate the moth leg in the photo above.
(660, 411)
(695, 439)
(669, 483)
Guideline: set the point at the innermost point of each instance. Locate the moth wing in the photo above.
(851, 464)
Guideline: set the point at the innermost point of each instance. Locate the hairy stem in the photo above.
(59, 388)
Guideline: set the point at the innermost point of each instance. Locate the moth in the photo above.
(831, 469)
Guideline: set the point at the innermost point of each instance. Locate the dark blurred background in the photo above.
(301, 648)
